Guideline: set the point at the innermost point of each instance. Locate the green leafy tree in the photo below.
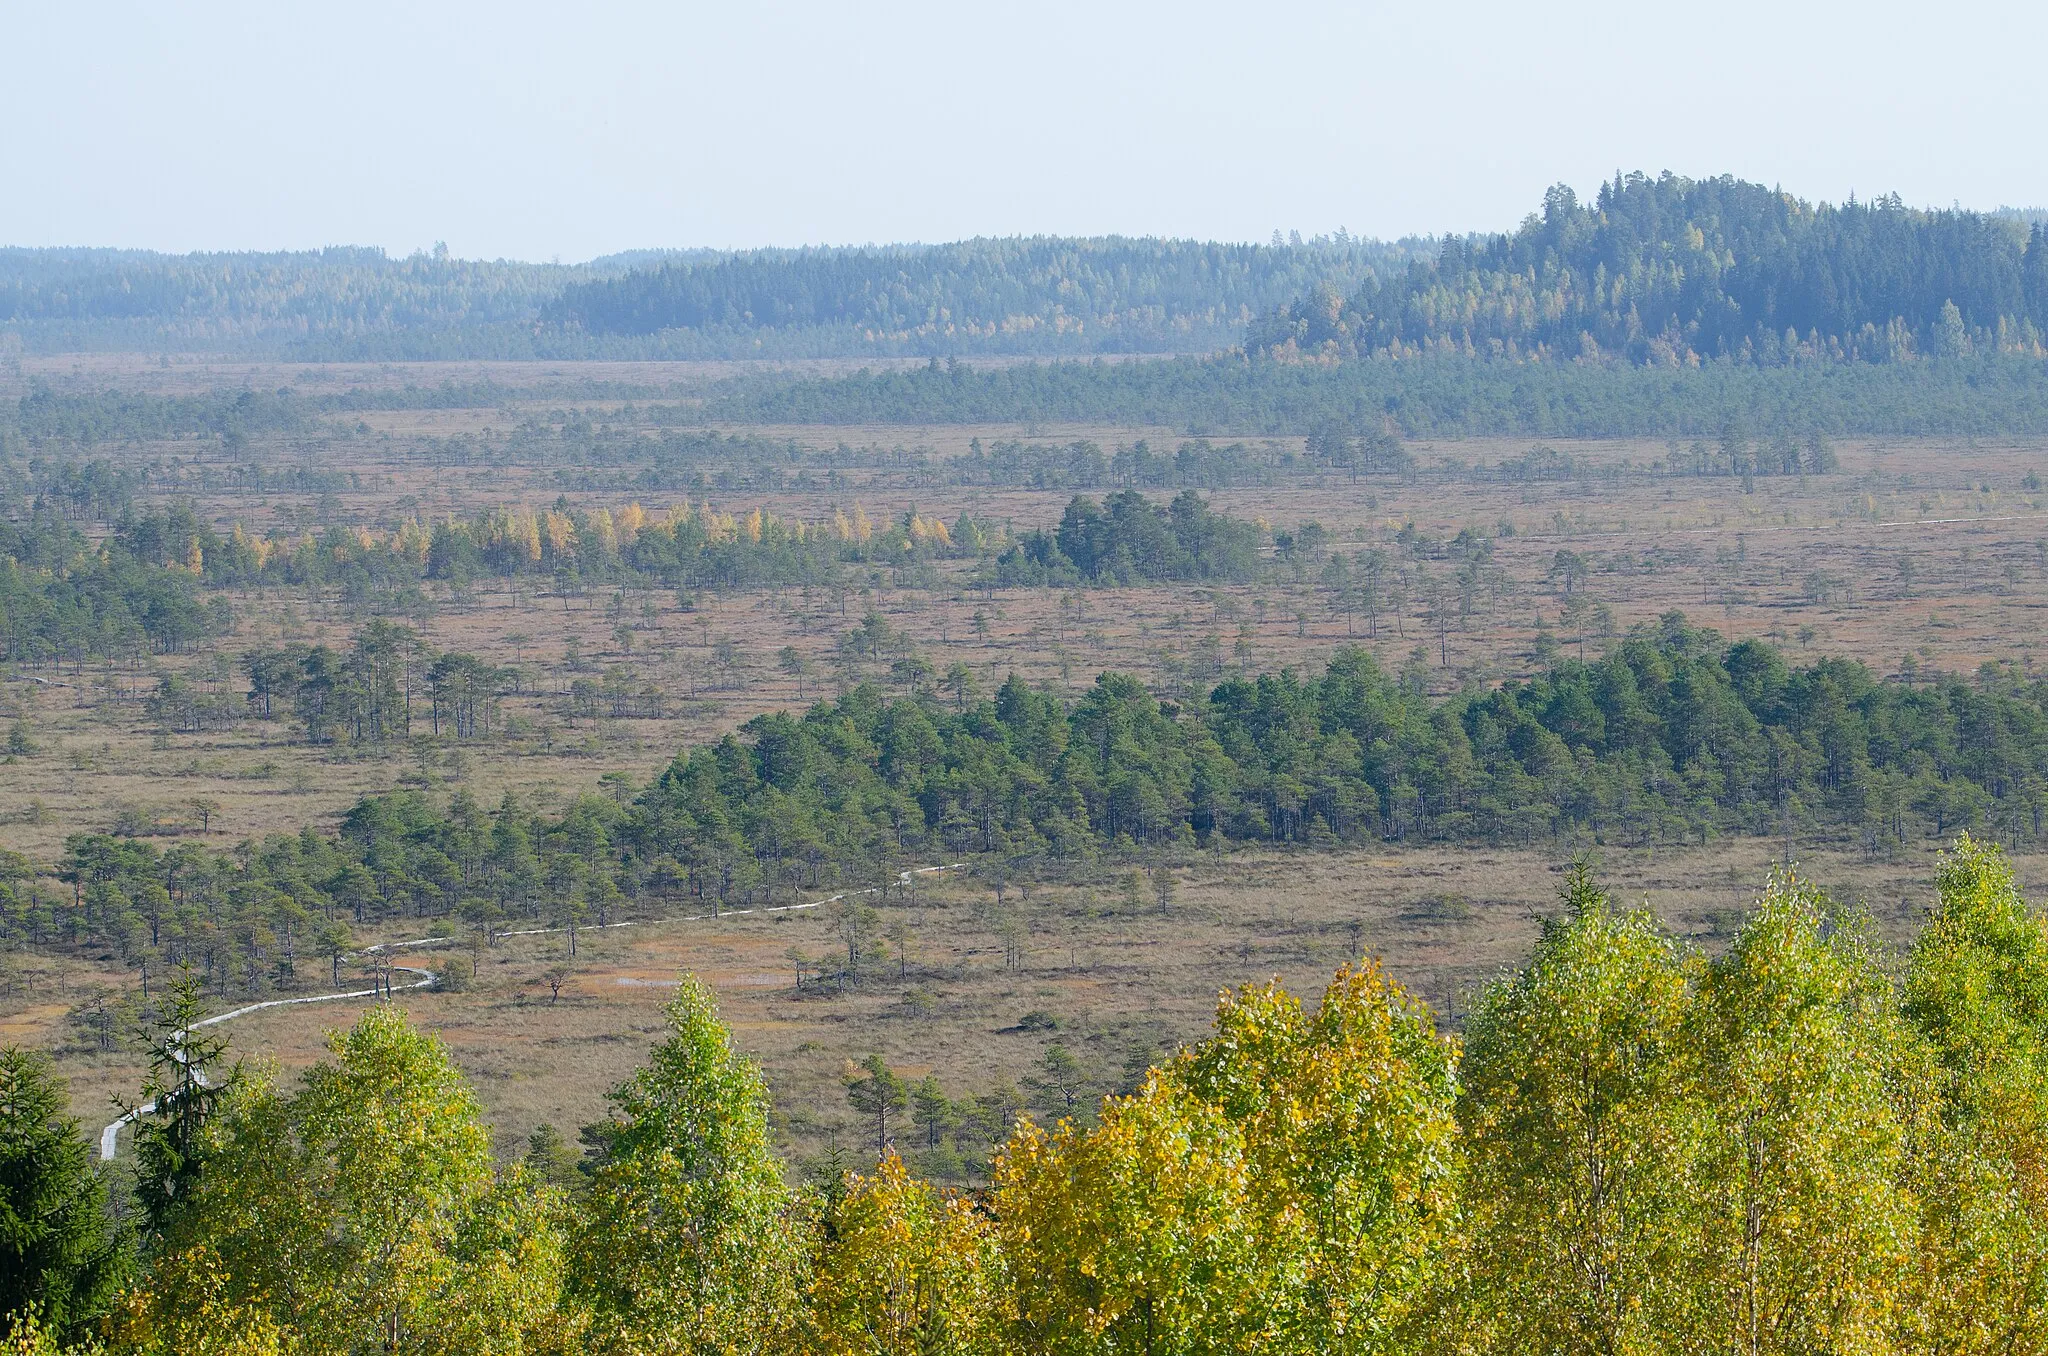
(1138, 1235)
(1805, 1223)
(1579, 1136)
(1978, 994)
(1350, 1136)
(363, 1213)
(906, 1271)
(688, 1242)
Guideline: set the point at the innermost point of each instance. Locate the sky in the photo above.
(511, 130)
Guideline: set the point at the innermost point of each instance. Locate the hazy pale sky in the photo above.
(539, 131)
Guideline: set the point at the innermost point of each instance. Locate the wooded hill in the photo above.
(1044, 295)
(1037, 295)
(1670, 270)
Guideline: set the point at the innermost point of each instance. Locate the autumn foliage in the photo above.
(1793, 1147)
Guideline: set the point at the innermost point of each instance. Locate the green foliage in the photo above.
(60, 1257)
(876, 1092)
(1128, 540)
(1641, 1151)
(363, 1213)
(61, 600)
(1138, 1235)
(186, 1085)
(1669, 270)
(689, 1241)
(1978, 994)
(1580, 1135)
(1803, 1066)
(1351, 1144)
(1433, 396)
(904, 1270)
(330, 304)
(1671, 737)
(1036, 295)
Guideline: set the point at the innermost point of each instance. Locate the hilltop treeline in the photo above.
(1673, 737)
(331, 304)
(1634, 1148)
(1433, 396)
(1028, 295)
(1040, 295)
(1669, 270)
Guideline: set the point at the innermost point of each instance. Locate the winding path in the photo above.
(110, 1136)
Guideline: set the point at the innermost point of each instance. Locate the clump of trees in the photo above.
(1633, 1147)
(1129, 539)
(1672, 737)
(64, 600)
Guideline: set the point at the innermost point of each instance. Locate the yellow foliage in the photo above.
(186, 1311)
(602, 529)
(910, 1270)
(559, 532)
(1136, 1236)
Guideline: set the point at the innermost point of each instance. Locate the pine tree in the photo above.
(60, 1257)
(187, 1083)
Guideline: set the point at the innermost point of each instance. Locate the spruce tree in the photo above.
(60, 1255)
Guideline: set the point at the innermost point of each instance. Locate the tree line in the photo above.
(1037, 295)
(1673, 737)
(1021, 295)
(1670, 270)
(1633, 1146)
(1433, 395)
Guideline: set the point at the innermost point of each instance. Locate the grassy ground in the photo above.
(1122, 984)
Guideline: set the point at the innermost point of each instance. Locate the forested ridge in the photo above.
(1632, 1147)
(1670, 270)
(1672, 738)
(1038, 295)
(314, 304)
(1027, 295)
(1664, 271)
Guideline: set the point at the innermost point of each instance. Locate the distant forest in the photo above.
(1432, 396)
(1670, 270)
(1655, 273)
(1041, 295)
(1046, 295)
